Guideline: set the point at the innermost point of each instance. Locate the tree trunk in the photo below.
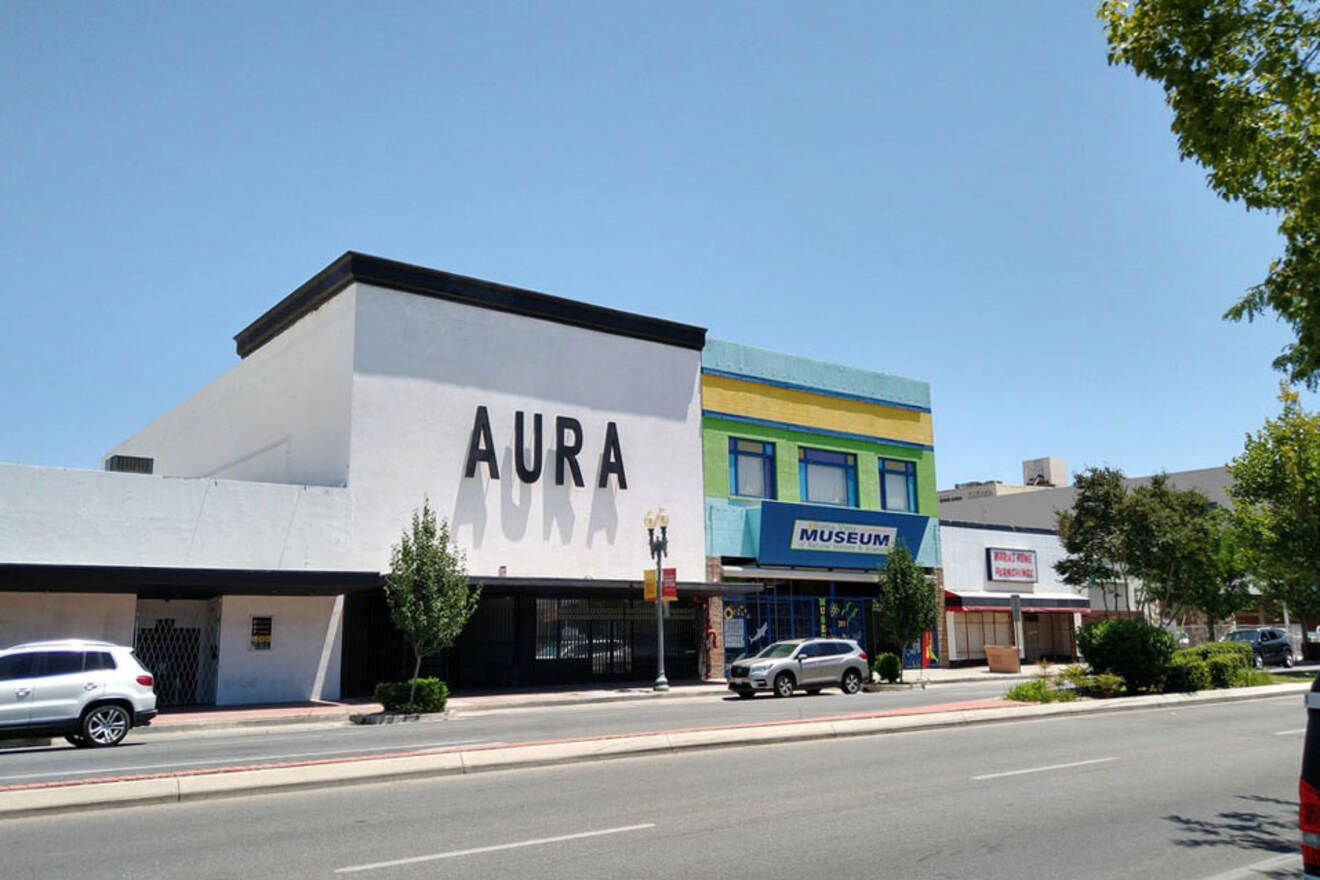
(417, 668)
(1210, 625)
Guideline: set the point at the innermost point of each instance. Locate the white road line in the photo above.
(1290, 732)
(1043, 769)
(249, 759)
(1263, 869)
(485, 849)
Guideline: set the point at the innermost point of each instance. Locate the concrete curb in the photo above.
(226, 782)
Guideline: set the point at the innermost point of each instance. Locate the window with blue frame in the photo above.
(898, 485)
(751, 468)
(827, 477)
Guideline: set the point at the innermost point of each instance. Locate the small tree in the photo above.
(1093, 534)
(427, 589)
(906, 605)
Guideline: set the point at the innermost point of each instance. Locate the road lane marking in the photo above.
(540, 841)
(245, 760)
(1290, 732)
(1043, 769)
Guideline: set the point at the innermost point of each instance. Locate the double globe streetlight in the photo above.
(659, 547)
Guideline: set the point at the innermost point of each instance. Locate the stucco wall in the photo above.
(423, 366)
(280, 415)
(31, 617)
(73, 517)
(964, 559)
(302, 662)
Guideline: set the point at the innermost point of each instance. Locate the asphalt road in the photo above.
(1195, 793)
(152, 752)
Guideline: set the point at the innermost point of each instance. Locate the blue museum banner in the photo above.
(834, 537)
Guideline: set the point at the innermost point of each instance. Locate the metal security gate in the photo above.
(178, 642)
(753, 621)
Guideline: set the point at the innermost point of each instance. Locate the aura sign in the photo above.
(567, 447)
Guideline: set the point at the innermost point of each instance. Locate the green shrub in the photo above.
(1223, 670)
(1128, 647)
(1188, 672)
(1238, 653)
(888, 667)
(1038, 691)
(1075, 675)
(1108, 685)
(431, 696)
(1251, 677)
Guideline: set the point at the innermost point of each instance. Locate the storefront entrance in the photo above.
(178, 640)
(520, 640)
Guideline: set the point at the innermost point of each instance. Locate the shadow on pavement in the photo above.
(1272, 828)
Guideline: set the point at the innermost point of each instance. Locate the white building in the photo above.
(988, 569)
(246, 564)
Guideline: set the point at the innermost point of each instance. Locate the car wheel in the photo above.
(1288, 660)
(1259, 661)
(852, 682)
(784, 685)
(106, 725)
(745, 695)
(77, 740)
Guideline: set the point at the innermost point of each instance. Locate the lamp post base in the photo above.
(661, 684)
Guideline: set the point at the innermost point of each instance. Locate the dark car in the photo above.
(1268, 645)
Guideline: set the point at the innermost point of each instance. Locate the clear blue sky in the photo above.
(963, 193)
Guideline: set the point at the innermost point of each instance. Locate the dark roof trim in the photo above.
(181, 583)
(955, 602)
(992, 527)
(578, 585)
(354, 267)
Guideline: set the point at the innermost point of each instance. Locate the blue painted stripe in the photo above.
(793, 386)
(825, 432)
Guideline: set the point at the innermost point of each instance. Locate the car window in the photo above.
(15, 666)
(841, 648)
(810, 650)
(60, 662)
(778, 649)
(99, 660)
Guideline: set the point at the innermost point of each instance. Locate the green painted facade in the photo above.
(715, 456)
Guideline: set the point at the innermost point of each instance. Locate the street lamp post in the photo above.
(659, 547)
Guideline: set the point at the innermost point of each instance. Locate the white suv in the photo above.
(91, 693)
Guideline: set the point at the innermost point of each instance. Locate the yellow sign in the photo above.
(648, 585)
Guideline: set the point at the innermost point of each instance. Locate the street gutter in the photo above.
(178, 787)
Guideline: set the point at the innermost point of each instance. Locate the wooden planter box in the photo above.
(1001, 658)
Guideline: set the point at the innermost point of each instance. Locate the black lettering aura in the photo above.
(481, 446)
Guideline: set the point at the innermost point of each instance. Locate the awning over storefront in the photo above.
(981, 600)
(796, 574)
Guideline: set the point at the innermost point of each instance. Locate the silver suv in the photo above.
(810, 664)
(91, 693)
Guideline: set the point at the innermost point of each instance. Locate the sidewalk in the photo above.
(328, 712)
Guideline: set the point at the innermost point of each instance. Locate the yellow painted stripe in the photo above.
(812, 410)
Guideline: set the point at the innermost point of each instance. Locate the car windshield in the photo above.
(1242, 637)
(778, 649)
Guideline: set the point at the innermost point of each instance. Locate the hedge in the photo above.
(431, 696)
(1128, 647)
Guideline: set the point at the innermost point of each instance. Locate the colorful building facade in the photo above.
(813, 472)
